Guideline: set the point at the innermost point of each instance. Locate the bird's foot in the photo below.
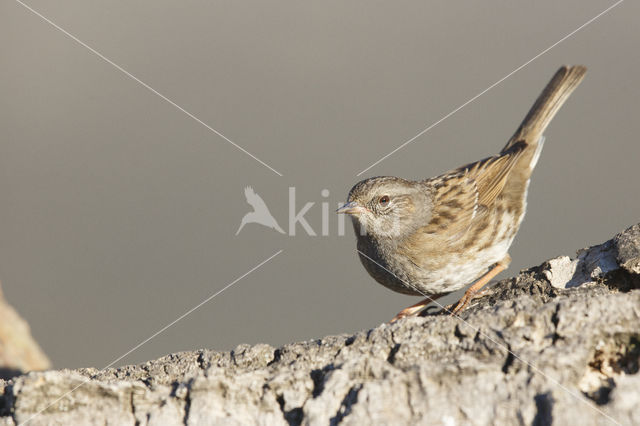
(407, 312)
(414, 309)
(462, 303)
(475, 288)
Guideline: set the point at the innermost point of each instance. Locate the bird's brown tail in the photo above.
(547, 105)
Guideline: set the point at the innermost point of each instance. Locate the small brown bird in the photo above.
(435, 236)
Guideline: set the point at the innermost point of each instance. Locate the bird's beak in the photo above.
(351, 208)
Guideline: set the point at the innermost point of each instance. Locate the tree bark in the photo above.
(559, 343)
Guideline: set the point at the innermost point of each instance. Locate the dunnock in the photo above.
(434, 236)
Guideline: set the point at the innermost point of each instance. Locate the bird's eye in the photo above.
(384, 200)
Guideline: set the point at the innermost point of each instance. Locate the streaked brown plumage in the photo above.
(435, 236)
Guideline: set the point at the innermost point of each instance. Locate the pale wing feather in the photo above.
(491, 174)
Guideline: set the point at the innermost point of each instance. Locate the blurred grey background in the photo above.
(119, 212)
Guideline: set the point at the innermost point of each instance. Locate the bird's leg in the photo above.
(414, 309)
(471, 291)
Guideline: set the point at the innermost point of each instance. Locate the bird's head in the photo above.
(388, 207)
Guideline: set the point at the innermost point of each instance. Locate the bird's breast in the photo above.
(386, 266)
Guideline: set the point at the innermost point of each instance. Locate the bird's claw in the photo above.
(454, 309)
(407, 312)
(462, 303)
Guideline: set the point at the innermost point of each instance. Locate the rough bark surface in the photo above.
(559, 343)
